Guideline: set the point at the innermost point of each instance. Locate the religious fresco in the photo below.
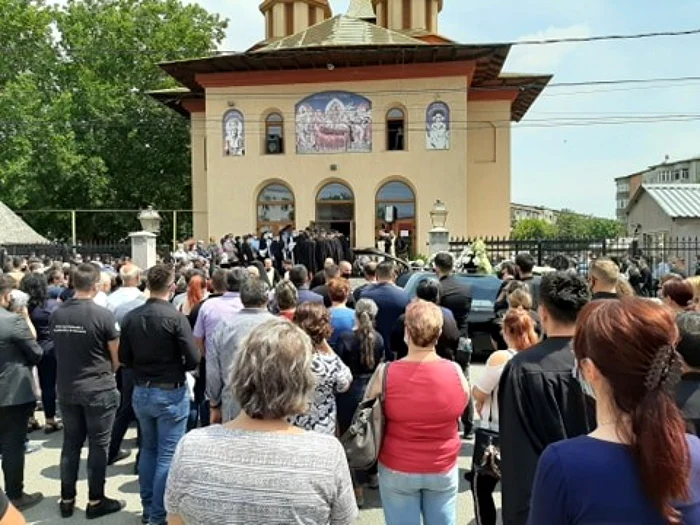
(234, 134)
(437, 126)
(334, 122)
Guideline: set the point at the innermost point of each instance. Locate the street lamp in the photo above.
(150, 220)
(438, 215)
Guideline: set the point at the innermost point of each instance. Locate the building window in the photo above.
(274, 134)
(335, 209)
(685, 174)
(289, 18)
(677, 175)
(395, 130)
(275, 206)
(407, 14)
(396, 212)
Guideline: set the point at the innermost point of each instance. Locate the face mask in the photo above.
(585, 385)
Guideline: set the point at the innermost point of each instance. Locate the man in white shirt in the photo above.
(131, 277)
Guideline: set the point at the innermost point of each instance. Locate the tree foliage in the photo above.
(533, 229)
(78, 130)
(569, 225)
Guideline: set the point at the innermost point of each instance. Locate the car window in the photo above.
(484, 289)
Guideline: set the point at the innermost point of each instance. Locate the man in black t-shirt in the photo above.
(86, 340)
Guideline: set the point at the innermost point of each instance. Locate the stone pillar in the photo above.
(143, 249)
(438, 240)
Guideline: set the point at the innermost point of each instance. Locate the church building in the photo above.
(355, 122)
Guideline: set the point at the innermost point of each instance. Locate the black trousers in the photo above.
(91, 416)
(13, 433)
(484, 506)
(464, 359)
(47, 381)
(125, 414)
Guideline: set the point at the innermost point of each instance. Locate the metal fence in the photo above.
(682, 253)
(64, 252)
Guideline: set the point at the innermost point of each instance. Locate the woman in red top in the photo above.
(425, 396)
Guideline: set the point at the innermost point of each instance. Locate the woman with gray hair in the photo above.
(259, 468)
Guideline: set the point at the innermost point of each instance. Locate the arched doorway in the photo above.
(335, 209)
(396, 212)
(275, 205)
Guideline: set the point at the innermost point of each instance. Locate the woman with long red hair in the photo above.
(638, 466)
(196, 293)
(518, 329)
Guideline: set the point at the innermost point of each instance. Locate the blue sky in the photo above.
(570, 167)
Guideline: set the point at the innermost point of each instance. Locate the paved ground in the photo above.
(42, 473)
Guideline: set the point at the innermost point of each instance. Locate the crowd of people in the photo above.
(242, 379)
(310, 247)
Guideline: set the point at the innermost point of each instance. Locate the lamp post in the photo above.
(439, 236)
(150, 220)
(438, 215)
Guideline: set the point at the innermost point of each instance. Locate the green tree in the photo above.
(571, 225)
(85, 134)
(533, 229)
(598, 228)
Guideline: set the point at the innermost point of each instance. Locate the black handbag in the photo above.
(363, 440)
(486, 460)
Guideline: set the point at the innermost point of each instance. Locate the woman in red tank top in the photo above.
(425, 396)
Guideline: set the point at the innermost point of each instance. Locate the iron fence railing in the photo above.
(680, 253)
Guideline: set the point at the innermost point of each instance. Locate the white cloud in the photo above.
(545, 58)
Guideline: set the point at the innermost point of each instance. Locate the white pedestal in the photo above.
(143, 249)
(438, 240)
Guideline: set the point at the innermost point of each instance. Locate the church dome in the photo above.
(287, 17)
(414, 16)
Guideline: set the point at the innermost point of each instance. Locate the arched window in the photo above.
(335, 208)
(396, 212)
(274, 134)
(275, 206)
(395, 130)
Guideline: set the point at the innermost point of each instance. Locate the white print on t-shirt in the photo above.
(69, 329)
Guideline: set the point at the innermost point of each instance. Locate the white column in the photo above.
(143, 249)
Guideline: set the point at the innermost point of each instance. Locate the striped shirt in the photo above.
(238, 477)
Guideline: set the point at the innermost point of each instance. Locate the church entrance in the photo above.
(335, 209)
(396, 214)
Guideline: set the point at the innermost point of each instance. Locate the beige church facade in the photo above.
(356, 123)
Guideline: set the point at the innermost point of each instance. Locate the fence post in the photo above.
(174, 230)
(604, 245)
(73, 229)
(539, 252)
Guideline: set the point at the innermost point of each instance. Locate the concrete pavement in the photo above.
(42, 474)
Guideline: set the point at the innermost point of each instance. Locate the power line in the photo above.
(378, 126)
(598, 38)
(533, 42)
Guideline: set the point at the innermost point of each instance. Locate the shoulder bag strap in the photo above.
(385, 371)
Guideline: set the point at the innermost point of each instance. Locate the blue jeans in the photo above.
(407, 497)
(162, 416)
